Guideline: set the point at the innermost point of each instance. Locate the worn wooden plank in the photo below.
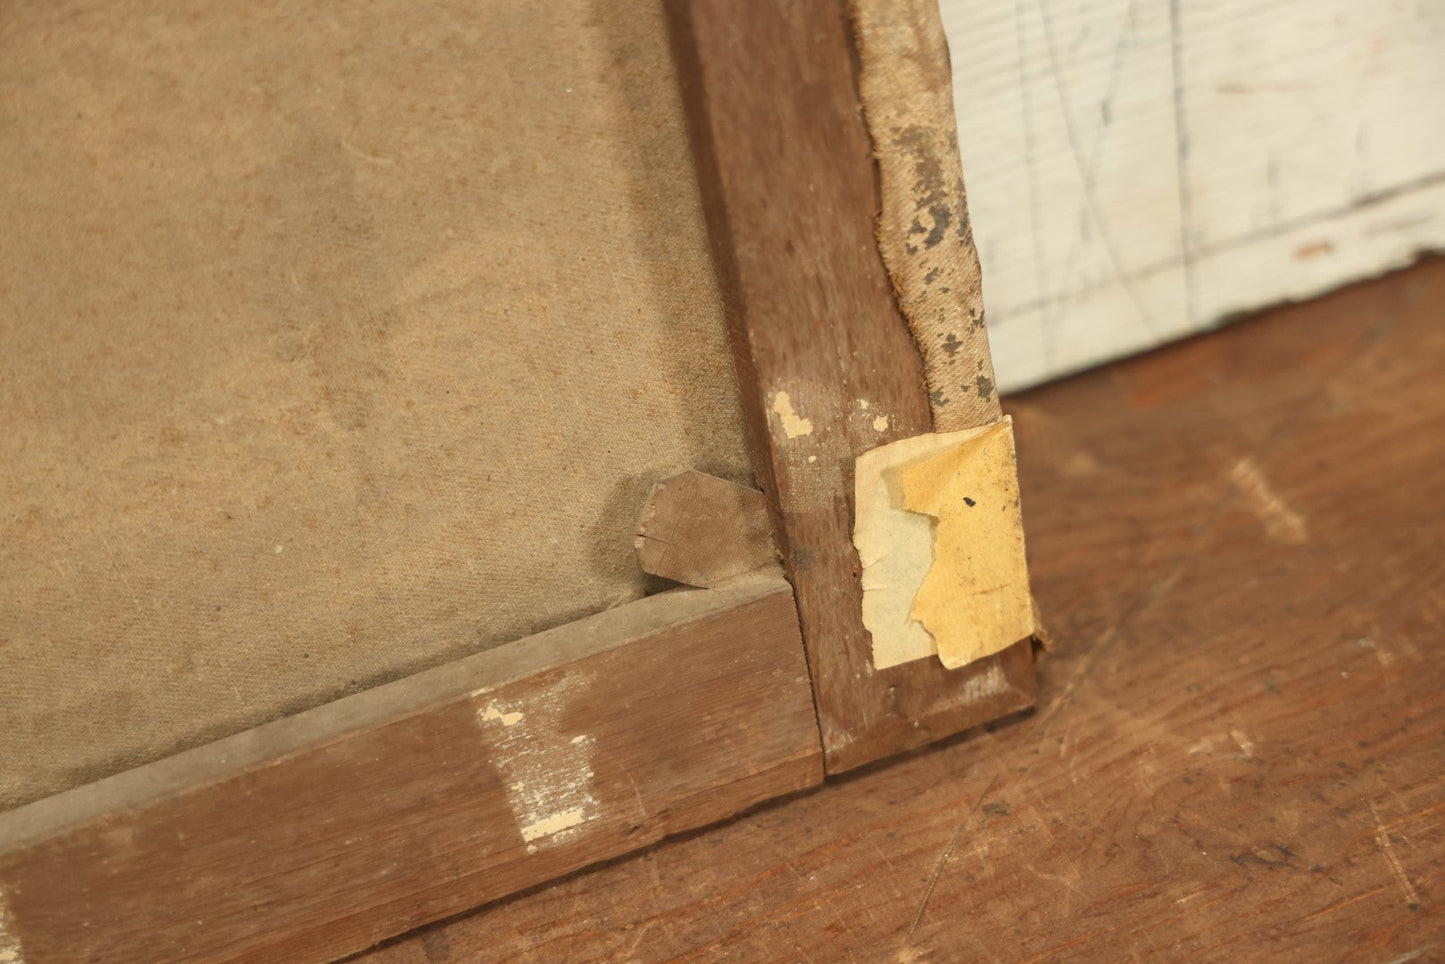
(1142, 171)
(826, 362)
(323, 833)
(1239, 752)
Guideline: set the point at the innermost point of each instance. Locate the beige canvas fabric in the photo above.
(336, 340)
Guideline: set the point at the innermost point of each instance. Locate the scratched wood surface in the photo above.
(1240, 546)
(826, 364)
(323, 833)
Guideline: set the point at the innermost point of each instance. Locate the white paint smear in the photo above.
(554, 824)
(547, 772)
(1281, 523)
(794, 426)
(9, 943)
(506, 719)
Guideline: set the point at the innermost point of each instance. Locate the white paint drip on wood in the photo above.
(547, 771)
(1138, 170)
(9, 943)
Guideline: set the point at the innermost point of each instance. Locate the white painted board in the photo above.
(1139, 170)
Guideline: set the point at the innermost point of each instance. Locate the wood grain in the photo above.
(700, 530)
(1240, 751)
(827, 366)
(321, 834)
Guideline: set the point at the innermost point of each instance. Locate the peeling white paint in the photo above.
(880, 424)
(1246, 746)
(507, 719)
(555, 824)
(794, 426)
(547, 771)
(9, 943)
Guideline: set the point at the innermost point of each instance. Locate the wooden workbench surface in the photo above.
(1239, 545)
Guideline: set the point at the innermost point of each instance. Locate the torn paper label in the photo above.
(940, 537)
